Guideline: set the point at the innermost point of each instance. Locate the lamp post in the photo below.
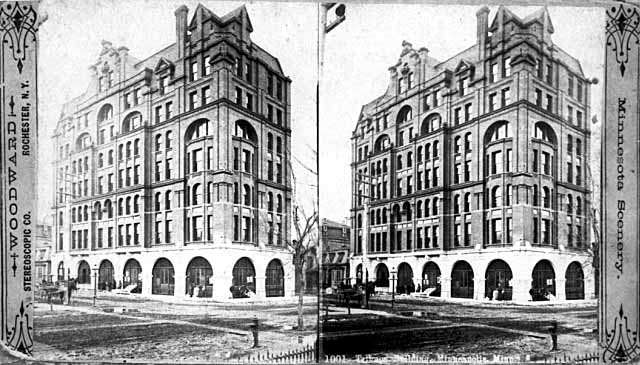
(95, 283)
(393, 288)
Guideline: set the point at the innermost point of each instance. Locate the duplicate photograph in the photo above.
(469, 137)
(178, 209)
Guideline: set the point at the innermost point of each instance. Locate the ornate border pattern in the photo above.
(17, 22)
(622, 28)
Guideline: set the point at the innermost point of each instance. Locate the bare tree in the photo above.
(302, 247)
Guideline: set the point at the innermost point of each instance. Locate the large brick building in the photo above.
(173, 171)
(470, 174)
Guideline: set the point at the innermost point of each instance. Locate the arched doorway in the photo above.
(574, 284)
(498, 276)
(199, 278)
(543, 281)
(244, 279)
(382, 276)
(431, 279)
(84, 273)
(105, 276)
(462, 280)
(163, 278)
(61, 271)
(274, 282)
(132, 275)
(405, 279)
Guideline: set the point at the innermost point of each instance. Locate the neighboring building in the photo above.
(43, 253)
(335, 253)
(173, 171)
(476, 168)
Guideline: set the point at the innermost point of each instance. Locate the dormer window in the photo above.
(464, 86)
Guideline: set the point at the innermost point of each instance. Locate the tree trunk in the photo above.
(300, 296)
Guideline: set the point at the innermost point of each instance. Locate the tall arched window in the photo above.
(167, 200)
(435, 206)
(246, 195)
(197, 129)
(97, 211)
(158, 144)
(279, 205)
(544, 132)
(546, 199)
(168, 139)
(136, 203)
(269, 142)
(270, 201)
(158, 201)
(430, 124)
(121, 206)
(569, 203)
(467, 202)
(197, 194)
(419, 209)
(578, 206)
(456, 204)
(109, 207)
(496, 196)
(427, 208)
(382, 143)
(246, 131)
(128, 205)
(536, 201)
(497, 131)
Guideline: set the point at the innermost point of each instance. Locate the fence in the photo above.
(305, 355)
(589, 358)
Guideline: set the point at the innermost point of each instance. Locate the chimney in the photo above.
(181, 29)
(482, 17)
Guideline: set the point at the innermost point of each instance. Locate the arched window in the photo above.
(406, 208)
(235, 193)
(419, 154)
(427, 208)
(105, 113)
(136, 147)
(128, 205)
(359, 221)
(136, 203)
(168, 139)
(270, 202)
(543, 131)
(457, 144)
(131, 122)
(436, 148)
(427, 152)
(246, 131)
(158, 144)
(536, 202)
(100, 159)
(83, 141)
(97, 211)
(456, 204)
(197, 194)
(546, 199)
(209, 192)
(278, 145)
(129, 149)
(467, 202)
(399, 162)
(382, 143)
(197, 129)
(496, 196)
(569, 203)
(110, 157)
(279, 205)
(419, 209)
(578, 146)
(430, 124)
(435, 206)
(467, 142)
(121, 206)
(384, 215)
(404, 115)
(109, 208)
(246, 195)
(158, 200)
(498, 131)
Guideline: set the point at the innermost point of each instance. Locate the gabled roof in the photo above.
(203, 13)
(463, 65)
(541, 15)
(162, 64)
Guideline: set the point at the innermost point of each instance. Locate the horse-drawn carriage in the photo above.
(49, 290)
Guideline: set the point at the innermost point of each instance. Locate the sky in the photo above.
(359, 52)
(70, 41)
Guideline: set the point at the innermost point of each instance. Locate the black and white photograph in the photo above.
(177, 181)
(469, 137)
(298, 181)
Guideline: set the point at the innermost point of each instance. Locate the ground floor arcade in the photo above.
(218, 273)
(505, 274)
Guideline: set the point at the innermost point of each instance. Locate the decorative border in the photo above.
(620, 188)
(18, 163)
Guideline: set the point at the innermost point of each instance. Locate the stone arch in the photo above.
(430, 123)
(244, 278)
(245, 130)
(543, 280)
(198, 128)
(404, 115)
(132, 121)
(84, 273)
(274, 279)
(83, 141)
(405, 279)
(574, 282)
(498, 276)
(132, 275)
(382, 275)
(105, 276)
(462, 280)
(431, 279)
(163, 277)
(105, 113)
(382, 143)
(199, 273)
